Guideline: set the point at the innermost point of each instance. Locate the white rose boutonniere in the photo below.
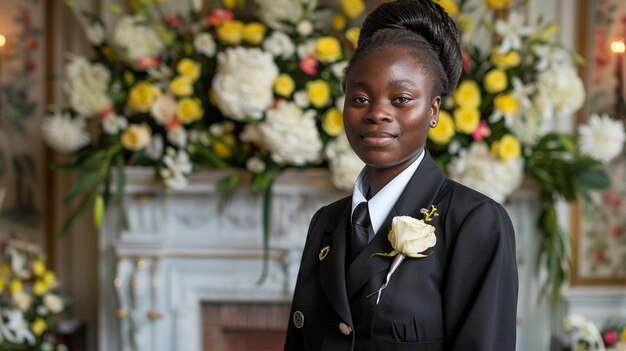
(409, 237)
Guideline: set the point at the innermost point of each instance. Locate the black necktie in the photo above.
(360, 229)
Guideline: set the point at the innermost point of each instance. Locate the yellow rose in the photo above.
(181, 86)
(229, 4)
(466, 119)
(339, 22)
(253, 33)
(622, 335)
(467, 94)
(508, 148)
(231, 32)
(497, 4)
(284, 85)
(449, 6)
(318, 92)
(50, 279)
(510, 59)
(2, 283)
(39, 326)
(223, 148)
(15, 287)
(444, 131)
(40, 288)
(352, 8)
(189, 68)
(136, 137)
(332, 122)
(328, 49)
(495, 81)
(39, 268)
(352, 35)
(142, 95)
(507, 104)
(189, 110)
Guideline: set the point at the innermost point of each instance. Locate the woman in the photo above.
(458, 290)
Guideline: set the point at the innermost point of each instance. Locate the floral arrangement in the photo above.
(582, 334)
(206, 87)
(494, 131)
(30, 307)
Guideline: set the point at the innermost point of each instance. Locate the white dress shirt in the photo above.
(380, 204)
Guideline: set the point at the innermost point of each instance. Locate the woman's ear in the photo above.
(434, 111)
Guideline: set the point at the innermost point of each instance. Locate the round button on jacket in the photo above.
(345, 329)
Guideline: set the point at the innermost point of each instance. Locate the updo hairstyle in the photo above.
(420, 26)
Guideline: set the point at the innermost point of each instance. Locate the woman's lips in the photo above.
(378, 138)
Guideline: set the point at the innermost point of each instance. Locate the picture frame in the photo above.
(599, 226)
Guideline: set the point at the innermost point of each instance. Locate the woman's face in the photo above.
(389, 108)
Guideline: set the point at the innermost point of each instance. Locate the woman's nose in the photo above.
(380, 112)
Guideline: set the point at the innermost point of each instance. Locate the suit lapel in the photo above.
(332, 269)
(419, 193)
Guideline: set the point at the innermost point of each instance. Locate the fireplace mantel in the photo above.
(163, 255)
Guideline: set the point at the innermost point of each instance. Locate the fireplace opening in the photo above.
(244, 326)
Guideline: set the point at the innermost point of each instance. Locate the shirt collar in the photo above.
(381, 204)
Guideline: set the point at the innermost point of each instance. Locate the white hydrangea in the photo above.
(86, 85)
(54, 303)
(561, 92)
(527, 127)
(136, 39)
(243, 83)
(478, 169)
(345, 165)
(551, 56)
(602, 137)
(280, 45)
(204, 44)
(64, 133)
(16, 328)
(275, 13)
(291, 135)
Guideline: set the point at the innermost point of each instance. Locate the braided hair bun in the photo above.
(421, 26)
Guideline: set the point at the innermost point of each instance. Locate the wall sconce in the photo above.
(619, 47)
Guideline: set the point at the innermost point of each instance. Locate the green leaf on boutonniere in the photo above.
(390, 254)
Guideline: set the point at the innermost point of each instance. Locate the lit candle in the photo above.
(3, 40)
(619, 47)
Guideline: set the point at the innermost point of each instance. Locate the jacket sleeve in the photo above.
(481, 284)
(293, 340)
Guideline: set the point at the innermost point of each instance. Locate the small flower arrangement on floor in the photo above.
(30, 306)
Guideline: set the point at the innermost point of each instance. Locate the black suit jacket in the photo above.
(462, 297)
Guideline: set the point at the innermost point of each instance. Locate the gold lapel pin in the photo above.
(324, 252)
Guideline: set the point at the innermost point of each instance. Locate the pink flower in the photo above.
(146, 63)
(481, 132)
(106, 113)
(219, 16)
(172, 123)
(610, 338)
(308, 65)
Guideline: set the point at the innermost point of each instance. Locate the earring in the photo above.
(433, 123)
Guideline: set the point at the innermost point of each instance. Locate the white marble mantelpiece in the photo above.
(162, 255)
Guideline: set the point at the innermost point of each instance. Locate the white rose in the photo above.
(204, 44)
(410, 237)
(53, 303)
(95, 33)
(304, 28)
(163, 109)
(86, 85)
(275, 12)
(279, 44)
(243, 83)
(255, 165)
(291, 135)
(22, 301)
(64, 133)
(177, 136)
(301, 98)
(113, 124)
(136, 40)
